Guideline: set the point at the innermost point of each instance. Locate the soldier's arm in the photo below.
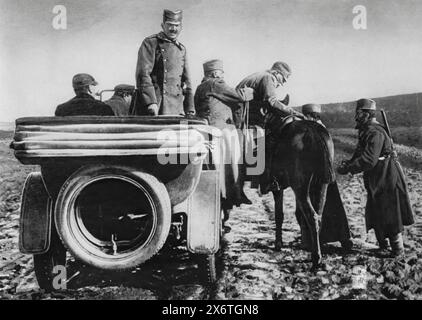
(368, 158)
(188, 104)
(269, 95)
(144, 67)
(226, 94)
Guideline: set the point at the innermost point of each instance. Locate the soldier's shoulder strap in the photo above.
(151, 39)
(153, 36)
(379, 127)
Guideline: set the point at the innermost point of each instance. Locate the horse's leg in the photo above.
(312, 221)
(304, 232)
(279, 218)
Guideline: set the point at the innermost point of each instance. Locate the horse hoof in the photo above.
(278, 245)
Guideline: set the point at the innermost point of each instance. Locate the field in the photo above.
(252, 269)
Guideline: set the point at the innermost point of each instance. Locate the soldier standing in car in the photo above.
(216, 101)
(162, 74)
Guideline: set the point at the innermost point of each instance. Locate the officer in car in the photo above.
(84, 103)
(162, 74)
(121, 99)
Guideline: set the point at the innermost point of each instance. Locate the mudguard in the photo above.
(204, 215)
(35, 218)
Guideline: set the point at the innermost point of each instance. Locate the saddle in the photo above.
(275, 124)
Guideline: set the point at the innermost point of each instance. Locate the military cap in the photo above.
(366, 104)
(283, 68)
(83, 79)
(173, 16)
(311, 107)
(212, 65)
(124, 88)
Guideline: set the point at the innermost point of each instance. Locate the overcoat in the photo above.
(162, 77)
(215, 101)
(388, 207)
(119, 105)
(83, 104)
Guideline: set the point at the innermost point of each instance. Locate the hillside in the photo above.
(402, 111)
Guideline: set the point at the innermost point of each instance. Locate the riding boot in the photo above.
(397, 245)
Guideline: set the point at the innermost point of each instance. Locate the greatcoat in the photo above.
(215, 101)
(162, 77)
(388, 208)
(83, 104)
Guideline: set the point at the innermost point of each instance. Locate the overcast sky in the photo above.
(331, 61)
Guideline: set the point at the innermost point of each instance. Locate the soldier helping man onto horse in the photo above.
(388, 208)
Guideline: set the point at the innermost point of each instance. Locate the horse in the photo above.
(301, 157)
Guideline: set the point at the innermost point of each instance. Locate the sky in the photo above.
(331, 60)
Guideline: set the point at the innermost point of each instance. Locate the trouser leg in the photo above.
(397, 245)
(382, 241)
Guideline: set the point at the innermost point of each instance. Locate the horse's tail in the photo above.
(320, 148)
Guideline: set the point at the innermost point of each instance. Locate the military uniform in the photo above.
(119, 105)
(334, 224)
(214, 101)
(162, 76)
(83, 105)
(388, 207)
(264, 85)
(265, 97)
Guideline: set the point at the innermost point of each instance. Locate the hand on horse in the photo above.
(248, 94)
(298, 114)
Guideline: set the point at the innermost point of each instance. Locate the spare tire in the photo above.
(113, 217)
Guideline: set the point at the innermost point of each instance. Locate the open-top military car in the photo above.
(110, 190)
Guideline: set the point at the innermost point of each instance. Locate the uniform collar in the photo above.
(84, 95)
(162, 36)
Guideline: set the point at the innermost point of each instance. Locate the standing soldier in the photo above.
(162, 75)
(334, 224)
(388, 207)
(214, 101)
(312, 111)
(120, 101)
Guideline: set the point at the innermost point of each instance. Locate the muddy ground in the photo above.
(250, 268)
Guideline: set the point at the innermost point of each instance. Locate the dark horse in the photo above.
(302, 155)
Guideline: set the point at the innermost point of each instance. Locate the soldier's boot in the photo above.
(397, 245)
(382, 241)
(347, 245)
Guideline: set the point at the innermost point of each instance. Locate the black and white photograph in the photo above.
(231, 151)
